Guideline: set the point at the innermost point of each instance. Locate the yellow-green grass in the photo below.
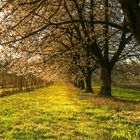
(62, 112)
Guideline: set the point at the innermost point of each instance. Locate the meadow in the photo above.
(63, 112)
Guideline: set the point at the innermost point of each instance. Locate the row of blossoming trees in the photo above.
(70, 39)
(16, 75)
(11, 83)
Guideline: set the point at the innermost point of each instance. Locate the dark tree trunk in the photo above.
(21, 84)
(82, 85)
(106, 81)
(88, 82)
(131, 10)
(76, 84)
(26, 85)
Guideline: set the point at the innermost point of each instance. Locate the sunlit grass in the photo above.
(61, 112)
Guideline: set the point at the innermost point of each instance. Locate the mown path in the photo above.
(61, 112)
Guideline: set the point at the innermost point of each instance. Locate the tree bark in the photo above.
(21, 83)
(82, 85)
(76, 84)
(131, 9)
(88, 82)
(106, 81)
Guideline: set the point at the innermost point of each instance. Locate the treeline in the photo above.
(11, 83)
(124, 75)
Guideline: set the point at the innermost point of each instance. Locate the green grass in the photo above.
(61, 112)
(128, 94)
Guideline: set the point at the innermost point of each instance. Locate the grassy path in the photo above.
(61, 112)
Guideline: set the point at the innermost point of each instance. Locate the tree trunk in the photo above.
(131, 10)
(106, 81)
(21, 84)
(76, 84)
(88, 82)
(82, 85)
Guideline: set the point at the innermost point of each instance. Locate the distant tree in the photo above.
(15, 74)
(124, 78)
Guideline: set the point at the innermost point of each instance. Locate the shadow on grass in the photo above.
(126, 100)
(123, 95)
(117, 102)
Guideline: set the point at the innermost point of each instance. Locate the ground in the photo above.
(62, 112)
